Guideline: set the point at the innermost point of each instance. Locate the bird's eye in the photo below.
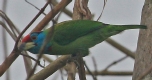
(34, 37)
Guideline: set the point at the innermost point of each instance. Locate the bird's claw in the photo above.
(74, 58)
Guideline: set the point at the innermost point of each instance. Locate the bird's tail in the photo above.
(125, 27)
(110, 30)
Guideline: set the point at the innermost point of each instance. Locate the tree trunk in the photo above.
(143, 58)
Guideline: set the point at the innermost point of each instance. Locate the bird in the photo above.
(72, 37)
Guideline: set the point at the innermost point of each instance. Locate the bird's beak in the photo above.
(26, 46)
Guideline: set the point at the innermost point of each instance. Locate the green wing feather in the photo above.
(68, 31)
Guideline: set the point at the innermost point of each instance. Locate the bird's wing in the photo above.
(68, 31)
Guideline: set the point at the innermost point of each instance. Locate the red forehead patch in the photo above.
(26, 39)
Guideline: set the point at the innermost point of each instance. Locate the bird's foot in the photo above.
(74, 58)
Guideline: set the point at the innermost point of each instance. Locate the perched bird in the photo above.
(72, 37)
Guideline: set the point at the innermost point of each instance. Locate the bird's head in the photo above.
(29, 41)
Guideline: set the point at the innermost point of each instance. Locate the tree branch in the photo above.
(51, 68)
(112, 73)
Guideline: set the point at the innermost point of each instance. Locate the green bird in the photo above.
(72, 37)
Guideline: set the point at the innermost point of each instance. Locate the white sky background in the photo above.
(116, 12)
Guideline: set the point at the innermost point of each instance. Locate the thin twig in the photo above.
(9, 32)
(38, 8)
(8, 21)
(93, 75)
(95, 64)
(121, 48)
(47, 59)
(27, 63)
(105, 1)
(34, 6)
(115, 62)
(57, 18)
(33, 59)
(61, 72)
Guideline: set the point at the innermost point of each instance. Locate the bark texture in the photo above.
(143, 58)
